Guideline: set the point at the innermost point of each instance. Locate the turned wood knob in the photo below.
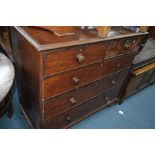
(118, 65)
(75, 80)
(134, 41)
(80, 57)
(80, 50)
(113, 82)
(72, 100)
(107, 99)
(127, 44)
(68, 118)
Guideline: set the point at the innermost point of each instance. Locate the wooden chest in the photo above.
(140, 78)
(143, 69)
(62, 80)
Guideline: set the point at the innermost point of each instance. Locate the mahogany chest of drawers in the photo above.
(62, 80)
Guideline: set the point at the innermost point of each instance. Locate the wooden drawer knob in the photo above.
(127, 44)
(68, 118)
(72, 100)
(107, 99)
(112, 82)
(75, 80)
(118, 65)
(134, 41)
(80, 57)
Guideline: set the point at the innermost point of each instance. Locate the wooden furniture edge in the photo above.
(143, 69)
(40, 47)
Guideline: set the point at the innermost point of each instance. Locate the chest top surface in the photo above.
(45, 40)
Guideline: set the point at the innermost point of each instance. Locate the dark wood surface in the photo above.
(28, 72)
(75, 115)
(43, 40)
(123, 46)
(57, 84)
(48, 74)
(68, 58)
(75, 97)
(59, 30)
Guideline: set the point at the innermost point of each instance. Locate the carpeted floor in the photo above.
(136, 112)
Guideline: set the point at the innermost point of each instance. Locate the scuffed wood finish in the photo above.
(62, 80)
(123, 46)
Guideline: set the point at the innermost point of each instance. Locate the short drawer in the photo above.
(64, 82)
(123, 46)
(75, 97)
(68, 58)
(76, 114)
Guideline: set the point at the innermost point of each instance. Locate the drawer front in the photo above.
(58, 84)
(76, 114)
(75, 97)
(69, 58)
(123, 46)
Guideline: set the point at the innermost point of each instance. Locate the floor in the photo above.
(138, 111)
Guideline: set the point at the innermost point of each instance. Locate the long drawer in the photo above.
(75, 97)
(64, 82)
(68, 58)
(76, 114)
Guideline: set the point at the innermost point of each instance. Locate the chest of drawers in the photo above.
(62, 80)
